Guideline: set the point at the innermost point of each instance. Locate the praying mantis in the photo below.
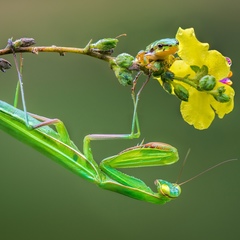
(55, 142)
(57, 145)
(35, 131)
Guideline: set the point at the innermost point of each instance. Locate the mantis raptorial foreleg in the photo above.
(145, 155)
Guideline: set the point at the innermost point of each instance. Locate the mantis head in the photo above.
(167, 189)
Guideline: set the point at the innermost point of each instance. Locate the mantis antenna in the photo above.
(201, 173)
(183, 165)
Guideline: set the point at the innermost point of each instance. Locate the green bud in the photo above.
(207, 83)
(166, 76)
(219, 94)
(105, 44)
(167, 87)
(223, 98)
(124, 60)
(123, 75)
(221, 90)
(181, 92)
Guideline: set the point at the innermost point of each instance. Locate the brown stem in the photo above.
(60, 50)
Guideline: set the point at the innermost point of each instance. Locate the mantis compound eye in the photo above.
(171, 190)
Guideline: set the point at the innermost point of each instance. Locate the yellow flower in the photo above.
(201, 107)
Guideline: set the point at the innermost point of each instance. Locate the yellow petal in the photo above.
(217, 64)
(191, 50)
(197, 111)
(181, 69)
(194, 52)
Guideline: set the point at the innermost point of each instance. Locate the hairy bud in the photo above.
(124, 60)
(207, 83)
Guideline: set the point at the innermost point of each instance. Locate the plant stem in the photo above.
(187, 81)
(60, 50)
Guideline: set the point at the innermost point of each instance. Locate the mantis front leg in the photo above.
(146, 155)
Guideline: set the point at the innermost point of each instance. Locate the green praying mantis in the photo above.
(57, 145)
(55, 142)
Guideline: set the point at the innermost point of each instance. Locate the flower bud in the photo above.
(223, 98)
(207, 83)
(124, 60)
(167, 76)
(105, 44)
(181, 92)
(123, 75)
(167, 87)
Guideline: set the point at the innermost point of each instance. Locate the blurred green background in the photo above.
(40, 199)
